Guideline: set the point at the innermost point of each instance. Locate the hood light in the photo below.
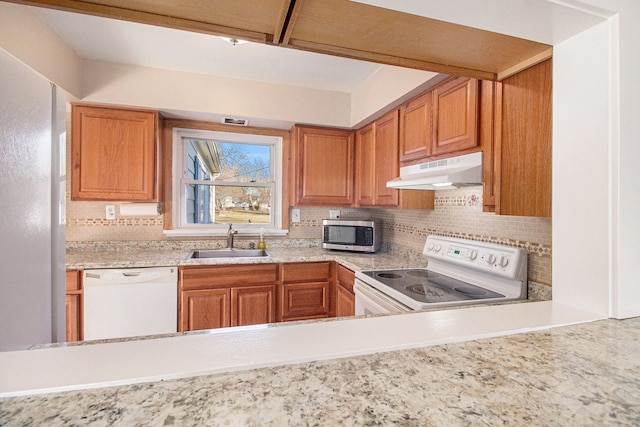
(442, 184)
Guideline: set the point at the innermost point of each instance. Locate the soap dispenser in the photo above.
(261, 243)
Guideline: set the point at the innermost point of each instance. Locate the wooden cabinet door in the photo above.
(74, 302)
(386, 159)
(523, 143)
(113, 154)
(74, 317)
(324, 167)
(306, 290)
(345, 302)
(486, 133)
(253, 305)
(305, 300)
(205, 309)
(366, 166)
(377, 161)
(416, 128)
(345, 297)
(455, 115)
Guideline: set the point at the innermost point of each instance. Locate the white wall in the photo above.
(174, 90)
(387, 88)
(626, 296)
(581, 154)
(29, 40)
(596, 178)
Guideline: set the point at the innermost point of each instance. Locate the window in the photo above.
(222, 178)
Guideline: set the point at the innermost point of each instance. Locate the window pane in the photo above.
(210, 204)
(210, 160)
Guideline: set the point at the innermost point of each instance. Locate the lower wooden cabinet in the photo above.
(253, 305)
(306, 290)
(345, 297)
(74, 306)
(205, 309)
(219, 296)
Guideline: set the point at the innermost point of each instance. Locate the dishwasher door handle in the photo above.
(131, 273)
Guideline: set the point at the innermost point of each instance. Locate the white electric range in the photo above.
(459, 272)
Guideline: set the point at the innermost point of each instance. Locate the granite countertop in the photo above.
(139, 256)
(585, 374)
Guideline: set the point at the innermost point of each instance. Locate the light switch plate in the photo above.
(111, 211)
(334, 214)
(295, 215)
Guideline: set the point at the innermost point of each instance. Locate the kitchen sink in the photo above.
(230, 253)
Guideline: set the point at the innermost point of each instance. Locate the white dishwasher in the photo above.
(130, 302)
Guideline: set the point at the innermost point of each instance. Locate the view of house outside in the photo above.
(234, 183)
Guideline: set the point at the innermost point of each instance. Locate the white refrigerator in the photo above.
(32, 190)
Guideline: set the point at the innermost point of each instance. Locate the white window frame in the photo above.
(179, 225)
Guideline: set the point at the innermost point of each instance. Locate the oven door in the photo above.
(372, 301)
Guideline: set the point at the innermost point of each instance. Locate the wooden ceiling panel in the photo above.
(359, 28)
(254, 15)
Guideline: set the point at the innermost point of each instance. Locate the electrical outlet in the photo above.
(334, 214)
(295, 215)
(111, 212)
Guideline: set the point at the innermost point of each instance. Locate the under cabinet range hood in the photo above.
(443, 174)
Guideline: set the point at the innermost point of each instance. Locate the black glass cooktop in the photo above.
(429, 287)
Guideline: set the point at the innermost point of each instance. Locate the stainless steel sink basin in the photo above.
(230, 253)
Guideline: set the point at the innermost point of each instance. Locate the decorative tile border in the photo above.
(456, 199)
(98, 222)
(307, 223)
(531, 247)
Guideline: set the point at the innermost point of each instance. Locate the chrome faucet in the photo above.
(230, 235)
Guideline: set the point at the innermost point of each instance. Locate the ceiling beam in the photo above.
(286, 21)
(390, 60)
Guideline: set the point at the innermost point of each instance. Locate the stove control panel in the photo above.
(505, 261)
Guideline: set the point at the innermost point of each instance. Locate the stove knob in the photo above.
(490, 259)
(473, 255)
(503, 261)
(430, 246)
(438, 247)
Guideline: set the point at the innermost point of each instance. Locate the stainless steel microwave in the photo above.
(351, 235)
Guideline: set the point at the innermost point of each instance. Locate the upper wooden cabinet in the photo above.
(324, 166)
(441, 121)
(114, 154)
(455, 115)
(520, 161)
(416, 128)
(377, 163)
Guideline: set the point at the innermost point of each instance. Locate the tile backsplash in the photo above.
(457, 213)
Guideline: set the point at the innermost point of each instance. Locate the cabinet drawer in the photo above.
(306, 272)
(208, 277)
(304, 300)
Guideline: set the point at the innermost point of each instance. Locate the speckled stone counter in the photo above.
(587, 374)
(138, 255)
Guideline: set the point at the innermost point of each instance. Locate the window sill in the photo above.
(222, 232)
